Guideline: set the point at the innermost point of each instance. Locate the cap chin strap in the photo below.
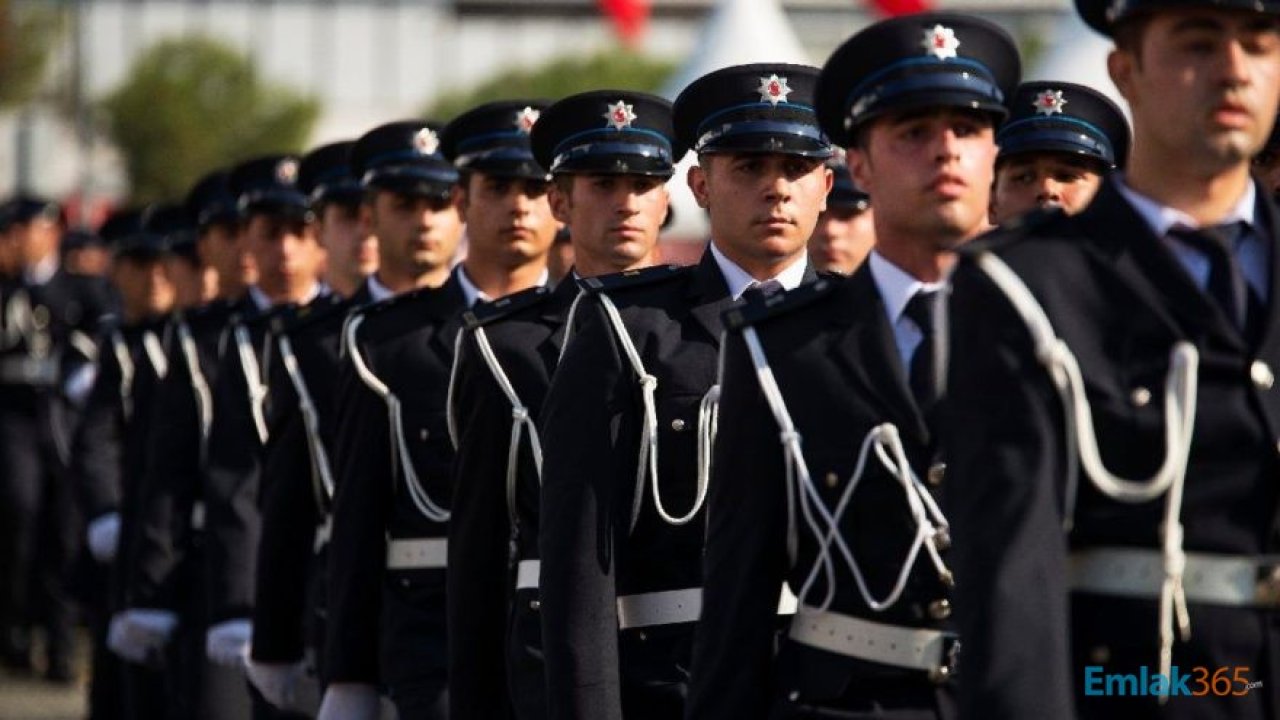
(1181, 386)
(647, 464)
(429, 508)
(931, 526)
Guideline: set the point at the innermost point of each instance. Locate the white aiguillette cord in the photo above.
(1181, 385)
(321, 472)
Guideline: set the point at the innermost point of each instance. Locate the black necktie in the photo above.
(921, 372)
(765, 289)
(1226, 285)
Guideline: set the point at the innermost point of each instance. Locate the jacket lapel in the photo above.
(1269, 343)
(708, 296)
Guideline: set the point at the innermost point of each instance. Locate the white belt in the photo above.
(932, 651)
(1238, 580)
(527, 574)
(669, 607)
(417, 554)
(197, 515)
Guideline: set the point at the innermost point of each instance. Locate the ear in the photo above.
(697, 179)
(458, 196)
(561, 201)
(830, 181)
(859, 161)
(1121, 66)
(366, 217)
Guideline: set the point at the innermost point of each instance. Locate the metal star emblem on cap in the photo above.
(1048, 102)
(773, 89)
(426, 142)
(940, 42)
(526, 119)
(620, 115)
(287, 171)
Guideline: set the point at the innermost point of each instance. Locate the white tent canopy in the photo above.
(737, 32)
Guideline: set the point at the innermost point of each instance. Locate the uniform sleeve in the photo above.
(289, 518)
(233, 523)
(1001, 435)
(97, 447)
(745, 561)
(590, 426)
(169, 490)
(479, 532)
(358, 548)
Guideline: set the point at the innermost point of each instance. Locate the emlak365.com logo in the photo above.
(1199, 682)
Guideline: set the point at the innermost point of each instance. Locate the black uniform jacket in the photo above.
(832, 352)
(489, 625)
(386, 624)
(1120, 300)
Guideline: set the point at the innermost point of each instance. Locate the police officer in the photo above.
(613, 200)
(109, 451)
(46, 351)
(832, 389)
(85, 253)
(1061, 139)
(194, 283)
(623, 479)
(1112, 405)
(277, 227)
(168, 608)
(289, 601)
(846, 230)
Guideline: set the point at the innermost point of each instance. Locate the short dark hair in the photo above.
(1129, 32)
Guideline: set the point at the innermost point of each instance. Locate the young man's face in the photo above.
(187, 279)
(352, 252)
(1202, 84)
(928, 174)
(222, 247)
(842, 239)
(144, 287)
(762, 206)
(35, 239)
(1041, 180)
(509, 220)
(415, 234)
(288, 257)
(613, 220)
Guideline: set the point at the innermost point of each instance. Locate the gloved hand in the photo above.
(227, 643)
(278, 682)
(350, 701)
(104, 537)
(138, 635)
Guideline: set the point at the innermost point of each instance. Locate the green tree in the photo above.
(27, 33)
(192, 104)
(558, 78)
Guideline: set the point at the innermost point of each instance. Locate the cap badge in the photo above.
(940, 42)
(774, 90)
(526, 119)
(620, 115)
(1049, 102)
(426, 142)
(287, 171)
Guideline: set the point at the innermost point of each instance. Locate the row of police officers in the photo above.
(1017, 460)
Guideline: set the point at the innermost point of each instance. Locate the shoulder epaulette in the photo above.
(489, 312)
(1014, 230)
(632, 278)
(755, 307)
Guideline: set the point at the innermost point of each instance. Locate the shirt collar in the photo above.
(1161, 218)
(43, 271)
(377, 291)
(740, 280)
(896, 286)
(261, 301)
(473, 294)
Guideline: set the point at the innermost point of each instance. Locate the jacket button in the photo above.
(794, 695)
(535, 605)
(940, 609)
(1100, 654)
(677, 425)
(832, 479)
(423, 434)
(1261, 375)
(642, 635)
(936, 473)
(1140, 397)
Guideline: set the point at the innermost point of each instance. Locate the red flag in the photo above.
(894, 8)
(629, 17)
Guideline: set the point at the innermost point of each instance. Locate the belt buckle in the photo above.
(950, 660)
(1267, 584)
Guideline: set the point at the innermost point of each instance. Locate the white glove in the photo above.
(350, 701)
(137, 634)
(227, 643)
(104, 537)
(278, 682)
